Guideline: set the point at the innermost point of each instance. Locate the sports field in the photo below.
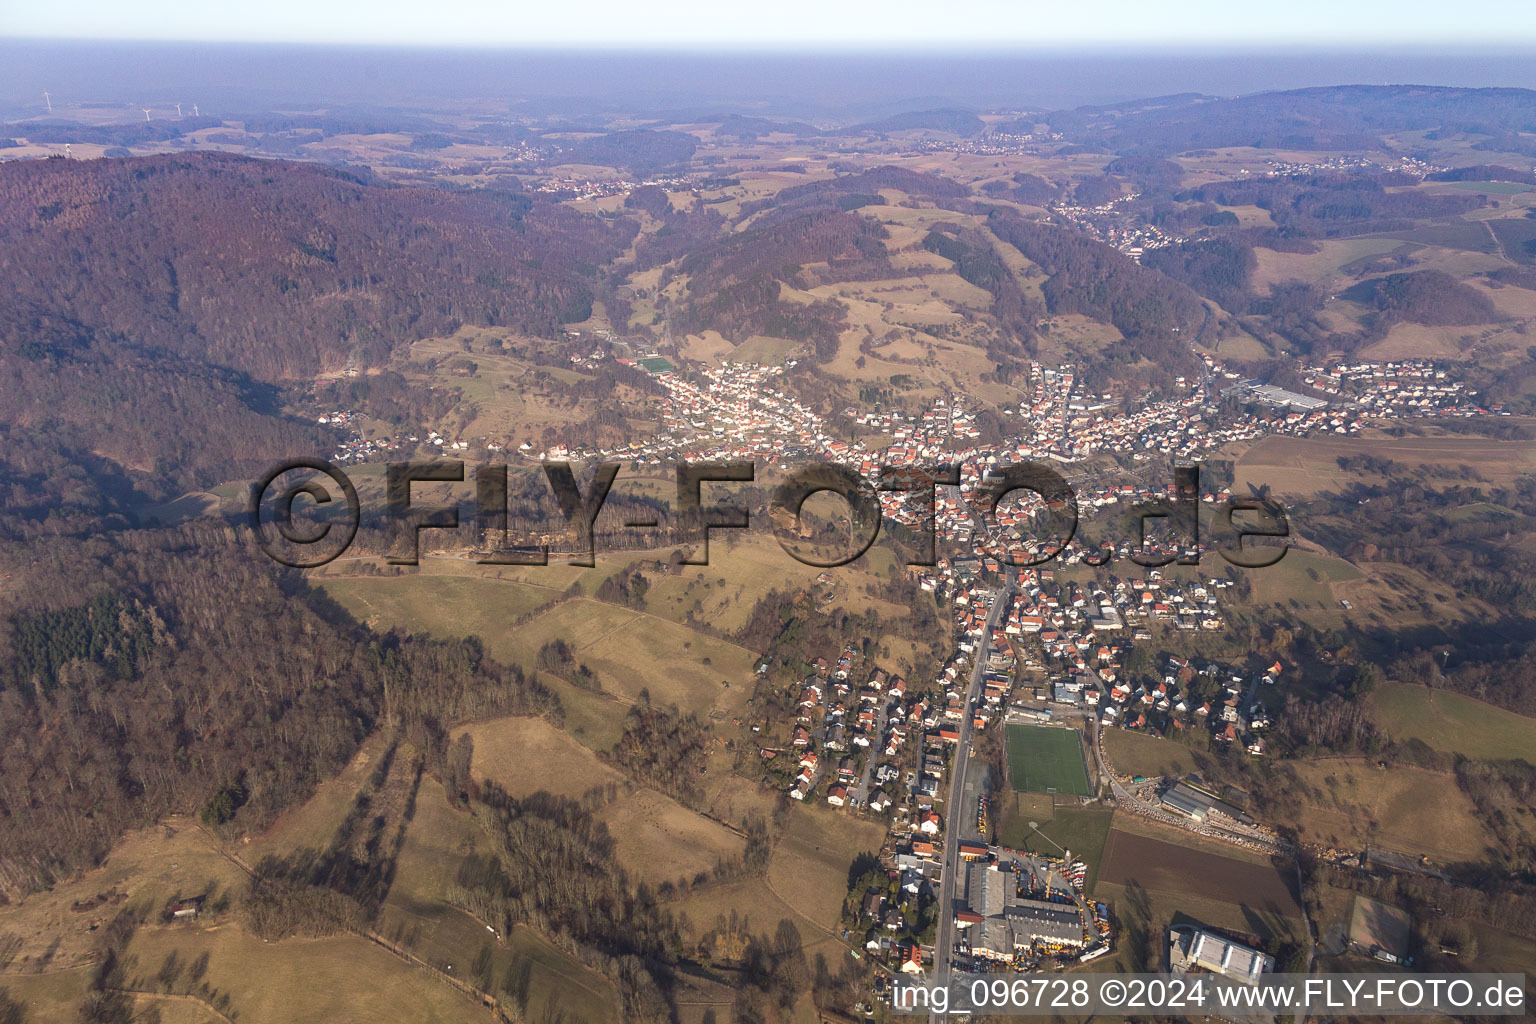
(1043, 759)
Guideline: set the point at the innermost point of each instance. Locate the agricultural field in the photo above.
(757, 909)
(1044, 759)
(1302, 580)
(502, 395)
(733, 799)
(1135, 753)
(1303, 467)
(1395, 595)
(593, 719)
(1349, 803)
(1503, 951)
(417, 917)
(345, 978)
(1517, 237)
(1136, 825)
(709, 347)
(1454, 723)
(545, 979)
(525, 755)
(442, 606)
(311, 824)
(149, 867)
(741, 571)
(1322, 267)
(342, 978)
(1492, 188)
(655, 837)
(806, 881)
(1222, 891)
(55, 997)
(764, 350)
(633, 651)
(659, 840)
(811, 857)
(440, 836)
(1419, 341)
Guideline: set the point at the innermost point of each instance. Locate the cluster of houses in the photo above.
(1104, 222)
(927, 437)
(732, 412)
(356, 448)
(1071, 619)
(587, 188)
(1212, 695)
(1334, 164)
(886, 717)
(744, 412)
(886, 923)
(1402, 388)
(991, 144)
(738, 411)
(864, 729)
(854, 736)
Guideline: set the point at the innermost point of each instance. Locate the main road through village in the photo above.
(954, 809)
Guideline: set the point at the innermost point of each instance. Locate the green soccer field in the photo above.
(1042, 759)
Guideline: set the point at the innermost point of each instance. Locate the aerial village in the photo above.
(1030, 645)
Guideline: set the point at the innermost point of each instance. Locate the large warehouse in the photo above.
(1191, 949)
(1037, 921)
(1001, 923)
(1182, 798)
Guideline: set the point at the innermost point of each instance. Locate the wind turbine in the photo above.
(146, 113)
(178, 111)
(194, 111)
(48, 100)
(67, 154)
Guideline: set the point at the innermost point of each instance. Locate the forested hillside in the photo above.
(230, 275)
(1091, 278)
(156, 673)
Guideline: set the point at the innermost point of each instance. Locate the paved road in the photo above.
(954, 809)
(860, 790)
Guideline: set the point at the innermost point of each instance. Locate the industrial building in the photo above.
(1194, 949)
(1197, 804)
(1033, 921)
(1001, 924)
(992, 938)
(986, 889)
(1279, 397)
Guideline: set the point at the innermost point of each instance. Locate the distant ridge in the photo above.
(1325, 117)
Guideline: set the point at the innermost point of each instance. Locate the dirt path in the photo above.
(1497, 245)
(178, 997)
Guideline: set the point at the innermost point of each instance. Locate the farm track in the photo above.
(177, 997)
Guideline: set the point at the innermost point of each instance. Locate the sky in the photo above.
(811, 24)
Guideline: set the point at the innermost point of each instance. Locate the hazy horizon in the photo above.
(865, 24)
(229, 77)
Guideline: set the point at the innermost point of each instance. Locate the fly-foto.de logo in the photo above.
(306, 513)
